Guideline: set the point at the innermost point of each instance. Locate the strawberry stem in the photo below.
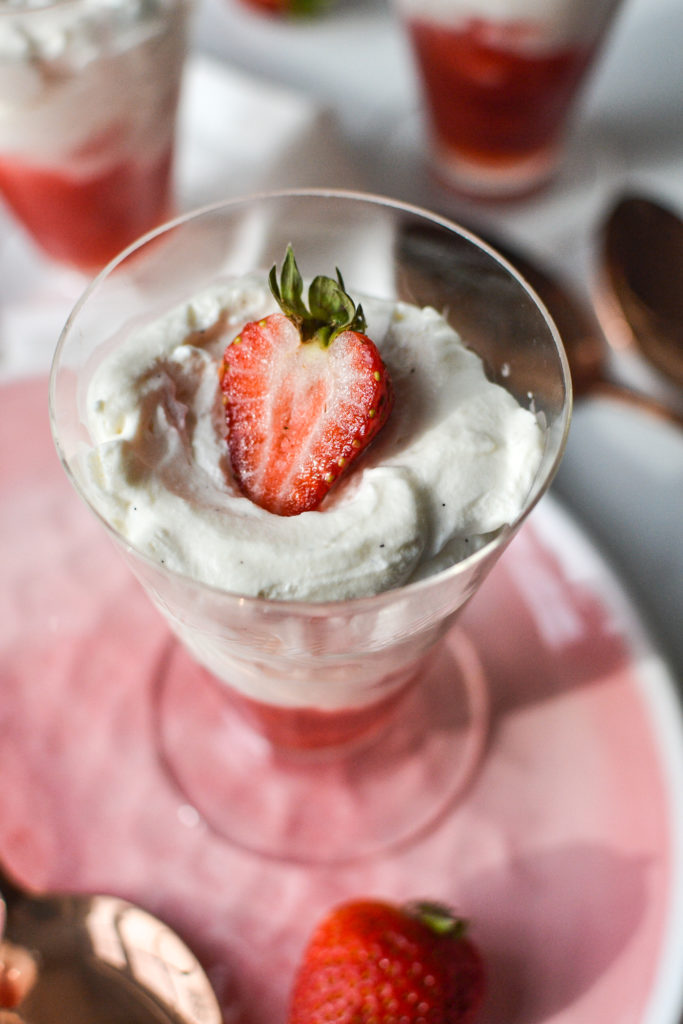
(330, 310)
(437, 917)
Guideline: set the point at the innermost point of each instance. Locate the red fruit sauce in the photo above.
(493, 99)
(267, 6)
(85, 221)
(310, 729)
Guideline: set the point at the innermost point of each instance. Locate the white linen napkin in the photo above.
(241, 135)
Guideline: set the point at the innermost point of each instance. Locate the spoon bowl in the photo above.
(582, 336)
(642, 278)
(96, 960)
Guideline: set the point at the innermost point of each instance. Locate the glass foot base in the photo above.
(324, 806)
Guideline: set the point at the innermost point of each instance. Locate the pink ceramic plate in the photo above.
(566, 852)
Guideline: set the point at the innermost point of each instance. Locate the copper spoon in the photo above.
(581, 335)
(95, 960)
(640, 294)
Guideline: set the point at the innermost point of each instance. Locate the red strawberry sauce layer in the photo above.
(491, 100)
(86, 221)
(297, 728)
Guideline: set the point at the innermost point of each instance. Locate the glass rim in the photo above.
(327, 607)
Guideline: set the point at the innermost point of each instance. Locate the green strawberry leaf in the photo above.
(289, 293)
(437, 917)
(330, 309)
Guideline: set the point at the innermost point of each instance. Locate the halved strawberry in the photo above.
(305, 393)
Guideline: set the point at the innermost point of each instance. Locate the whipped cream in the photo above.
(548, 23)
(81, 80)
(454, 464)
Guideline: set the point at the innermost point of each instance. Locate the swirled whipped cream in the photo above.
(454, 464)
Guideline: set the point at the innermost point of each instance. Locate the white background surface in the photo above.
(335, 102)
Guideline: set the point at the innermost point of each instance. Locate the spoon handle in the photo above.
(636, 399)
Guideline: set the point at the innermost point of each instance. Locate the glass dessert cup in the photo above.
(500, 87)
(319, 732)
(88, 103)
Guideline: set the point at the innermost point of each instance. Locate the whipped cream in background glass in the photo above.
(500, 80)
(88, 100)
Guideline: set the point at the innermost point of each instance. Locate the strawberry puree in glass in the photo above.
(87, 221)
(499, 92)
(489, 104)
(306, 728)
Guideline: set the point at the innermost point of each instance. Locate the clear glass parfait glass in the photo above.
(319, 731)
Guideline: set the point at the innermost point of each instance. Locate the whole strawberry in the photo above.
(370, 961)
(305, 392)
